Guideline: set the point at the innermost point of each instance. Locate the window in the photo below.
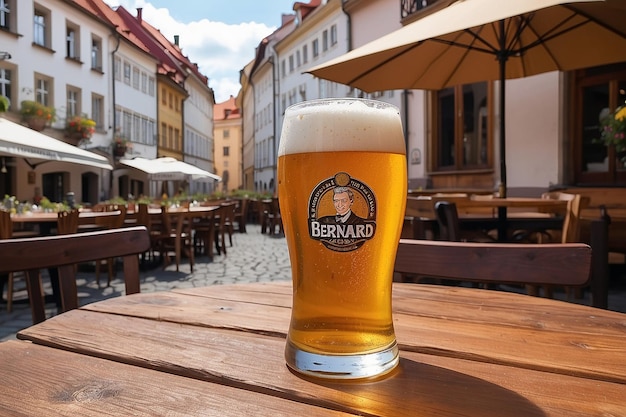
(41, 27)
(126, 73)
(325, 40)
(163, 141)
(226, 133)
(226, 150)
(97, 111)
(333, 35)
(136, 78)
(96, 54)
(597, 91)
(316, 48)
(5, 83)
(151, 86)
(73, 101)
(118, 68)
(460, 134)
(298, 59)
(305, 54)
(43, 89)
(7, 15)
(291, 63)
(72, 42)
(163, 96)
(283, 68)
(144, 82)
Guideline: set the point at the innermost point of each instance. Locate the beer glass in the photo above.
(342, 187)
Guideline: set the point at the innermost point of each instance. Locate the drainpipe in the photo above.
(348, 24)
(276, 77)
(114, 116)
(405, 122)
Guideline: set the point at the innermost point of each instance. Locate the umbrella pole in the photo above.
(502, 58)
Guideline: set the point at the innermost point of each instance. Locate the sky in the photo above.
(220, 36)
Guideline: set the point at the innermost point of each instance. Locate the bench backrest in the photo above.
(538, 264)
(65, 251)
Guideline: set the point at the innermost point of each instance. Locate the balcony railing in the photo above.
(408, 7)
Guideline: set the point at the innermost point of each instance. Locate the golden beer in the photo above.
(342, 191)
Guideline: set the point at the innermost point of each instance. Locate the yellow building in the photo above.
(227, 127)
(170, 117)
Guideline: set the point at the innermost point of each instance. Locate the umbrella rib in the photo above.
(382, 63)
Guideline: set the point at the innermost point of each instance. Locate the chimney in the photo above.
(139, 13)
(176, 37)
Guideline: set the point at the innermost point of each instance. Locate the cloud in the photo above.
(221, 50)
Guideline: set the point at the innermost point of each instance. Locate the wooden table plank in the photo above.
(429, 385)
(431, 320)
(79, 385)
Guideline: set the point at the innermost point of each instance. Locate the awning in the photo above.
(166, 169)
(20, 141)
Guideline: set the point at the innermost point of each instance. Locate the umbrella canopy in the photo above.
(20, 141)
(482, 40)
(166, 169)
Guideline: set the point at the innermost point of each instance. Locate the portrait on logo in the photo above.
(342, 213)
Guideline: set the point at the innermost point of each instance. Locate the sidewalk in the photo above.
(254, 257)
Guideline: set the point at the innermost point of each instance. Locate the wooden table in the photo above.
(503, 214)
(219, 351)
(51, 217)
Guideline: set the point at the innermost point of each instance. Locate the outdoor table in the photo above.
(218, 350)
(494, 213)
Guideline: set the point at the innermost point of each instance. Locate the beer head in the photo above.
(341, 124)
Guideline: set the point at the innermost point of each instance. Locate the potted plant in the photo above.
(5, 103)
(613, 132)
(36, 115)
(80, 128)
(121, 145)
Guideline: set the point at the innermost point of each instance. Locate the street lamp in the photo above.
(4, 55)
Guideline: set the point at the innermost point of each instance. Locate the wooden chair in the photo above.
(108, 223)
(175, 237)
(224, 225)
(65, 251)
(271, 217)
(6, 232)
(67, 222)
(241, 215)
(448, 224)
(501, 263)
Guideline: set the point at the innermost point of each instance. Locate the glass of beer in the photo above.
(342, 187)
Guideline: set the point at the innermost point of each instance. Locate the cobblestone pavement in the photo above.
(254, 257)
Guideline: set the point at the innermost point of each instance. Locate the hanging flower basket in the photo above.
(120, 146)
(80, 128)
(36, 115)
(36, 123)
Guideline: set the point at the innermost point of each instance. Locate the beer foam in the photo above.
(331, 125)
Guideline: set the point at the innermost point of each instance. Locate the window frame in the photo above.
(436, 162)
(73, 101)
(8, 18)
(42, 29)
(96, 53)
(44, 89)
(72, 41)
(97, 110)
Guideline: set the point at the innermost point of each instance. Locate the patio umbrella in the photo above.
(34, 147)
(166, 169)
(482, 40)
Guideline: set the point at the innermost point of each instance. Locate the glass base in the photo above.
(317, 365)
